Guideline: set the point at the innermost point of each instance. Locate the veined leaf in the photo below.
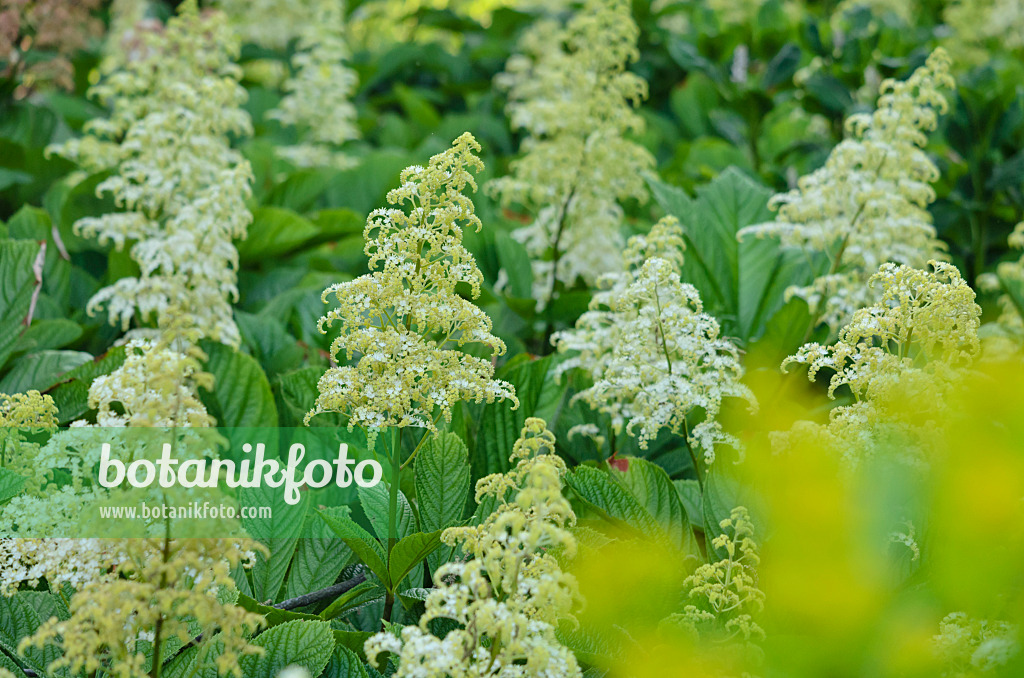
(354, 597)
(241, 395)
(409, 552)
(375, 502)
(17, 282)
(275, 231)
(742, 283)
(41, 370)
(309, 644)
(442, 487)
(361, 542)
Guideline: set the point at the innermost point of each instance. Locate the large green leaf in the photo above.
(344, 664)
(643, 498)
(442, 487)
(72, 395)
(280, 534)
(33, 223)
(319, 557)
(742, 283)
(17, 282)
(274, 231)
(10, 484)
(361, 542)
(653, 489)
(409, 552)
(499, 425)
(309, 644)
(19, 619)
(41, 370)
(241, 395)
(271, 345)
(354, 597)
(721, 496)
(50, 333)
(375, 502)
(273, 615)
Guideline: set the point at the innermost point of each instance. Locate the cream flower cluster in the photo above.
(405, 320)
(170, 589)
(868, 204)
(268, 23)
(183, 188)
(22, 414)
(27, 561)
(512, 591)
(969, 646)
(318, 98)
(976, 21)
(911, 346)
(726, 590)
(156, 386)
(569, 90)
(652, 353)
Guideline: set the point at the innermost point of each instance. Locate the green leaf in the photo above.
(10, 484)
(47, 334)
(690, 496)
(653, 489)
(499, 425)
(375, 501)
(721, 496)
(241, 394)
(643, 498)
(296, 394)
(782, 66)
(344, 664)
(71, 396)
(19, 619)
(274, 231)
(409, 552)
(361, 542)
(743, 283)
(271, 345)
(354, 597)
(300, 189)
(319, 557)
(17, 282)
(337, 223)
(353, 641)
(309, 644)
(280, 534)
(514, 258)
(41, 370)
(442, 487)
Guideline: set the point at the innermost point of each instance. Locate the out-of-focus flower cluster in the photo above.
(317, 101)
(569, 90)
(979, 21)
(173, 109)
(512, 592)
(171, 591)
(652, 353)
(912, 345)
(868, 204)
(60, 27)
(405, 321)
(969, 646)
